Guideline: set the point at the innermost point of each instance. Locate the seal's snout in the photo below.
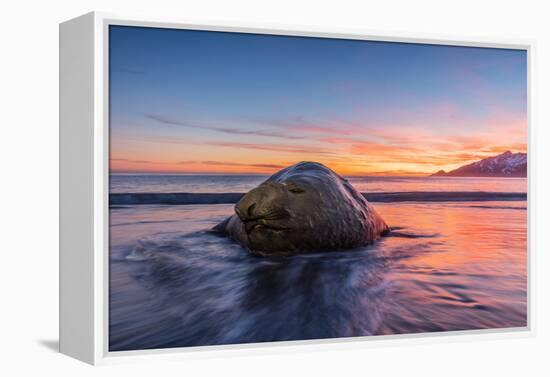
(244, 211)
(245, 208)
(260, 202)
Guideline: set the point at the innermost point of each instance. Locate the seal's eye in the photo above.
(295, 189)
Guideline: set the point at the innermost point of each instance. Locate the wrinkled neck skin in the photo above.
(303, 208)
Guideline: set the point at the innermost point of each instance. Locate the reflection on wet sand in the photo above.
(459, 267)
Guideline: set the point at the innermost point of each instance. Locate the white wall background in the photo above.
(29, 189)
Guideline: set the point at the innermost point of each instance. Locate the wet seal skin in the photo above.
(303, 208)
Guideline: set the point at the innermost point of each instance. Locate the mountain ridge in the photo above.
(506, 164)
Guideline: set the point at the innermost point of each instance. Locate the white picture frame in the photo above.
(84, 147)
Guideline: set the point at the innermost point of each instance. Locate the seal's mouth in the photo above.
(261, 224)
(273, 220)
(256, 218)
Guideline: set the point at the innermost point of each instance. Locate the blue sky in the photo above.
(180, 99)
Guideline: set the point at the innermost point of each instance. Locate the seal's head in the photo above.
(305, 207)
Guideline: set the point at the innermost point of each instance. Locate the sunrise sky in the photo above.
(209, 102)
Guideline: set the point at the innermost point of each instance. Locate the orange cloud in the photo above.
(351, 148)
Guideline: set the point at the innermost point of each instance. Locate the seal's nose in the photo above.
(257, 201)
(245, 212)
(245, 207)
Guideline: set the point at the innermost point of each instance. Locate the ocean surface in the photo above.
(449, 265)
(170, 183)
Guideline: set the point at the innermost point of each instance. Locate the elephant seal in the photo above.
(305, 207)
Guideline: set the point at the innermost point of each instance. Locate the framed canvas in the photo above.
(228, 188)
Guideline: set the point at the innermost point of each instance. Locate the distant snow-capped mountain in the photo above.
(507, 164)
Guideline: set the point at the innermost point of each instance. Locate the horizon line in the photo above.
(369, 174)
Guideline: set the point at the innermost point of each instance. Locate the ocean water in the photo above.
(448, 266)
(170, 183)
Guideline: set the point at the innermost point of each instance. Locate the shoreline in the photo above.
(375, 197)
